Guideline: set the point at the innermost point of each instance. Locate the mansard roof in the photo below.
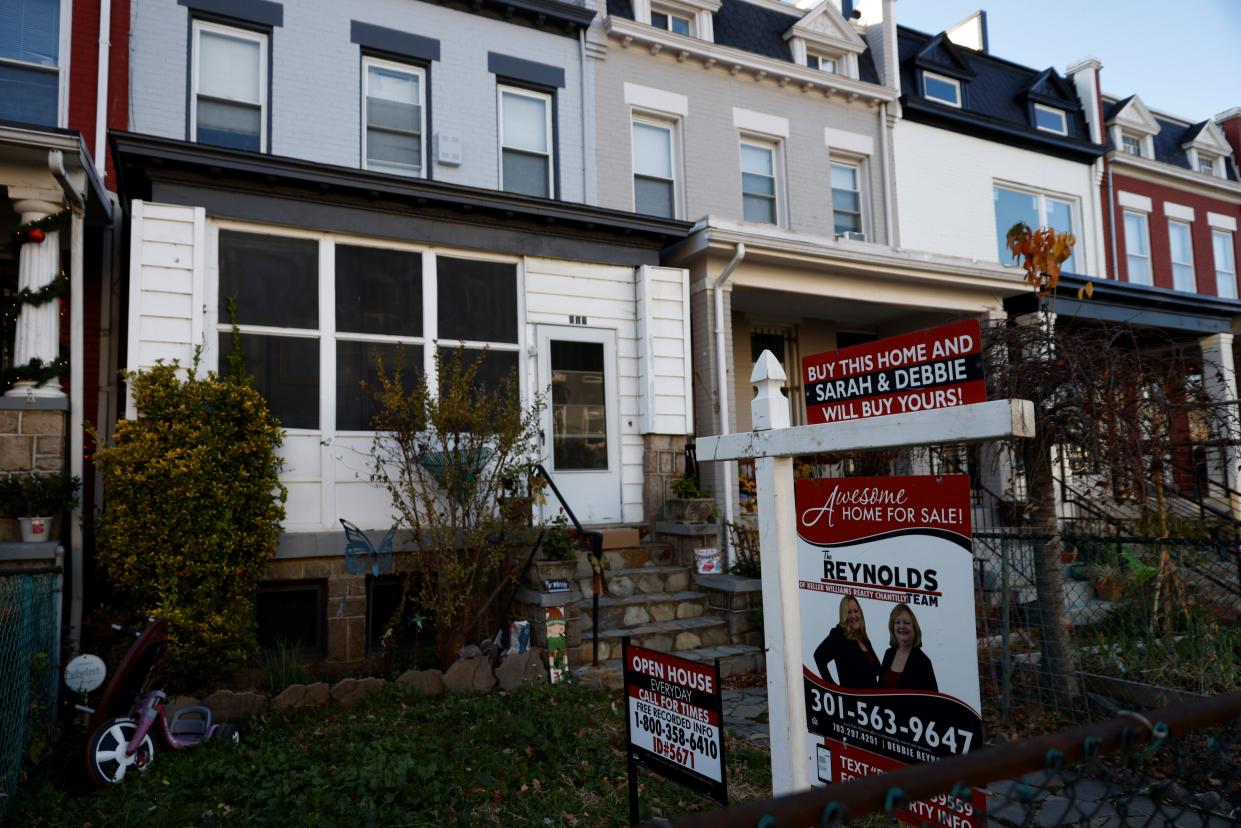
(997, 96)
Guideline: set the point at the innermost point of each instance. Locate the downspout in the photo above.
(588, 185)
(721, 380)
(894, 236)
(101, 88)
(77, 388)
(1111, 221)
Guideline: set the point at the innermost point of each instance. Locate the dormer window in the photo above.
(1050, 119)
(822, 63)
(1131, 145)
(662, 18)
(1206, 164)
(943, 89)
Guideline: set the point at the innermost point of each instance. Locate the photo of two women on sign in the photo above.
(855, 664)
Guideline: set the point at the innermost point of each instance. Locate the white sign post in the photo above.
(772, 445)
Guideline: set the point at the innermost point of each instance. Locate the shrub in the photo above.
(445, 459)
(687, 487)
(47, 495)
(194, 511)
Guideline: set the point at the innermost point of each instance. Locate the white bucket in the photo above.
(707, 561)
(35, 529)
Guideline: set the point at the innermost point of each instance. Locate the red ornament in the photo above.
(36, 235)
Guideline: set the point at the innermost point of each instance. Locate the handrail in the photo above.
(596, 557)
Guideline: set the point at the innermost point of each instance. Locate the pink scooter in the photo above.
(119, 743)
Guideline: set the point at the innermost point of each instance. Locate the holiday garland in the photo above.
(36, 231)
(36, 370)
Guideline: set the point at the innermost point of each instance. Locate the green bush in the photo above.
(193, 512)
(30, 495)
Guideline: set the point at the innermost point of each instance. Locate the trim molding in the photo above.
(259, 12)
(394, 42)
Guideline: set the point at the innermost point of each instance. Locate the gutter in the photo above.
(721, 379)
(101, 88)
(894, 235)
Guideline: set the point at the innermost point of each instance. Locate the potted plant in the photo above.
(557, 559)
(36, 500)
(1108, 579)
(689, 503)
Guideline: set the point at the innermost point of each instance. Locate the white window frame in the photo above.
(819, 60)
(1043, 196)
(671, 12)
(550, 101)
(1149, 278)
(775, 146)
(953, 82)
(61, 69)
(673, 125)
(327, 334)
(1051, 110)
(1222, 277)
(200, 26)
(1193, 276)
(1137, 144)
(407, 69)
(1207, 160)
(859, 171)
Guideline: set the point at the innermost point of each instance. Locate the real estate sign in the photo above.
(889, 651)
(676, 712)
(935, 368)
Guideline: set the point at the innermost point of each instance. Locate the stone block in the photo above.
(43, 422)
(341, 583)
(676, 582)
(663, 643)
(337, 639)
(426, 682)
(714, 637)
(512, 671)
(687, 641)
(49, 463)
(16, 454)
(350, 692)
(227, 706)
(318, 569)
(10, 422)
(302, 695)
(470, 675)
(621, 586)
(636, 615)
(650, 584)
(689, 609)
(356, 642)
(666, 611)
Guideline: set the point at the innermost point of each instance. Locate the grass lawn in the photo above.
(538, 756)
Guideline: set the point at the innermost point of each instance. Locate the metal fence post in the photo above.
(1006, 668)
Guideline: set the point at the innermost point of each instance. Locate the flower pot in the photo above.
(541, 571)
(36, 529)
(1108, 589)
(688, 509)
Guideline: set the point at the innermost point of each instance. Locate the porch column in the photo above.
(1220, 380)
(38, 328)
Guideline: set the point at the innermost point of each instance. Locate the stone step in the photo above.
(630, 557)
(643, 608)
(734, 660)
(640, 580)
(665, 636)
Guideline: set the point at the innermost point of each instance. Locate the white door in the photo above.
(581, 434)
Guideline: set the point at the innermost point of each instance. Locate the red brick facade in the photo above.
(84, 72)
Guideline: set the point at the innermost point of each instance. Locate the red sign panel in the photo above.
(936, 368)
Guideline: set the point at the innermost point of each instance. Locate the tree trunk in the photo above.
(1057, 665)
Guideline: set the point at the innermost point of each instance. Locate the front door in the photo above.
(581, 435)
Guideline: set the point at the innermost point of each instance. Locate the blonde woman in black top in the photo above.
(849, 647)
(905, 666)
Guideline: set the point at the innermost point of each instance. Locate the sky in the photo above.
(1183, 57)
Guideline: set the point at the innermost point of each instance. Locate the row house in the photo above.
(771, 127)
(62, 86)
(366, 177)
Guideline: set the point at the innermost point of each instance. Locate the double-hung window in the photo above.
(30, 61)
(526, 142)
(1225, 264)
(758, 182)
(1181, 245)
(939, 88)
(1138, 248)
(820, 62)
(1036, 209)
(846, 198)
(1206, 165)
(394, 117)
(672, 21)
(228, 104)
(1131, 145)
(654, 168)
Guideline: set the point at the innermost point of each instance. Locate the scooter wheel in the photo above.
(107, 759)
(228, 732)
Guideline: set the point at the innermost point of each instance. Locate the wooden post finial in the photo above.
(769, 408)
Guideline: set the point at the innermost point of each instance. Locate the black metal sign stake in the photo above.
(629, 755)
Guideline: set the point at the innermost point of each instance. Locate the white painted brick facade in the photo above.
(316, 81)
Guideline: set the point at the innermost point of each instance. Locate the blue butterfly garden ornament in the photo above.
(360, 555)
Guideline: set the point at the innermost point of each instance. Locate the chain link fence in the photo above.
(29, 665)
